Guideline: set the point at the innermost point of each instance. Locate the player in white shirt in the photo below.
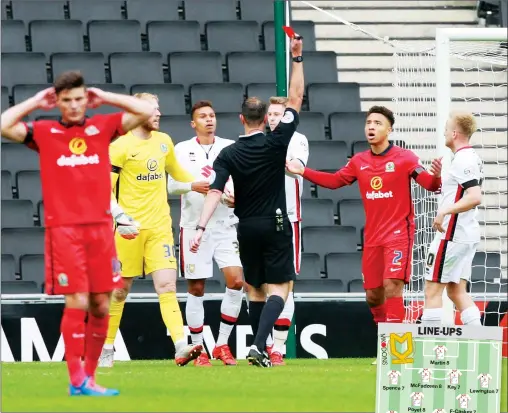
(426, 375)
(463, 400)
(454, 376)
(298, 149)
(417, 398)
(393, 376)
(485, 379)
(450, 255)
(219, 241)
(440, 352)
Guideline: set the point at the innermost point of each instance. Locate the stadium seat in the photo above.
(17, 213)
(175, 211)
(360, 146)
(20, 68)
(356, 286)
(56, 36)
(336, 195)
(327, 155)
(229, 125)
(29, 186)
(322, 285)
(320, 67)
(133, 68)
(16, 157)
(23, 92)
(187, 68)
(6, 185)
(108, 87)
(317, 212)
(143, 286)
(254, 10)
(40, 213)
(90, 64)
(157, 10)
(482, 287)
(310, 266)
(204, 11)
(19, 287)
(307, 190)
(173, 36)
(251, 67)
(348, 127)
(351, 213)
(38, 10)
(21, 241)
(263, 91)
(216, 284)
(312, 125)
(344, 266)
(334, 97)
(171, 97)
(89, 10)
(114, 36)
(5, 98)
(323, 240)
(13, 36)
(8, 268)
(486, 266)
(304, 28)
(177, 126)
(225, 97)
(32, 268)
(3, 12)
(232, 36)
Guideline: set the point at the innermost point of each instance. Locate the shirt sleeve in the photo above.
(466, 172)
(173, 167)
(117, 155)
(114, 121)
(32, 135)
(282, 134)
(299, 149)
(221, 169)
(344, 176)
(175, 187)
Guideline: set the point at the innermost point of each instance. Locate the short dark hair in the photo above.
(382, 110)
(69, 80)
(200, 104)
(254, 110)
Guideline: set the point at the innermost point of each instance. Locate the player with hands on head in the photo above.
(80, 256)
(450, 255)
(384, 174)
(220, 243)
(265, 233)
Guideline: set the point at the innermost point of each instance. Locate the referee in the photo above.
(256, 162)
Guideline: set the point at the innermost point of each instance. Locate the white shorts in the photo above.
(449, 261)
(297, 245)
(218, 243)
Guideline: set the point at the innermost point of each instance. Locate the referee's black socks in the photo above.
(255, 310)
(269, 315)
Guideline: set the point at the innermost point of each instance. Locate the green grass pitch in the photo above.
(302, 385)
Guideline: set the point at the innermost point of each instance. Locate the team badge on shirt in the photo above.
(164, 147)
(390, 167)
(91, 130)
(191, 268)
(63, 281)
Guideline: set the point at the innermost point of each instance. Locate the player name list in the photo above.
(438, 369)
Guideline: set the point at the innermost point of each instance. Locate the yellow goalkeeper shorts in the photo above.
(150, 251)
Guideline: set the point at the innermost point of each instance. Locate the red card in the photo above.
(289, 31)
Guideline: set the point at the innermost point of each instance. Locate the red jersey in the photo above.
(75, 168)
(384, 182)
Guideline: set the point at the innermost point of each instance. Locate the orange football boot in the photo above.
(223, 353)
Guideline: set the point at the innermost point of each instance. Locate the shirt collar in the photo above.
(390, 146)
(69, 125)
(251, 134)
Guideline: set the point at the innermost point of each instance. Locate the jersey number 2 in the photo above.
(397, 257)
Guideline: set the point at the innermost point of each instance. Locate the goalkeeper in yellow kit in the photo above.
(140, 160)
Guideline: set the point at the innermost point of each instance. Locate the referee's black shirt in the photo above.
(257, 165)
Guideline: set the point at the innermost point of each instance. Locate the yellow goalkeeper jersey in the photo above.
(139, 178)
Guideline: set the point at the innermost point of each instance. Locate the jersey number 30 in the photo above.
(168, 251)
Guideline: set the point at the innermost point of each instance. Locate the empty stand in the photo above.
(344, 266)
(174, 36)
(304, 28)
(307, 189)
(232, 36)
(320, 67)
(89, 10)
(90, 64)
(225, 97)
(20, 68)
(5, 98)
(20, 287)
(309, 279)
(29, 186)
(360, 146)
(40, 212)
(318, 212)
(177, 127)
(38, 10)
(4, 12)
(13, 36)
(327, 155)
(261, 90)
(251, 67)
(171, 97)
(55, 36)
(143, 286)
(334, 97)
(356, 286)
(114, 36)
(143, 12)
(175, 210)
(8, 268)
(32, 269)
(486, 266)
(195, 67)
(204, 11)
(310, 265)
(254, 10)
(17, 157)
(17, 213)
(21, 241)
(351, 213)
(482, 287)
(348, 127)
(109, 87)
(132, 68)
(23, 92)
(229, 126)
(324, 240)
(336, 195)
(6, 185)
(312, 125)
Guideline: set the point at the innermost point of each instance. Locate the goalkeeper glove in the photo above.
(126, 226)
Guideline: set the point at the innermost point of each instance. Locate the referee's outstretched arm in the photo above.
(296, 85)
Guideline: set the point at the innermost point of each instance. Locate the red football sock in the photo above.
(379, 313)
(395, 311)
(96, 331)
(72, 328)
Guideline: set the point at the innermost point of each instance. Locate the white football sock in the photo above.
(195, 315)
(283, 324)
(432, 316)
(229, 311)
(471, 316)
(269, 340)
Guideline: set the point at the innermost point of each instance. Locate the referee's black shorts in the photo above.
(267, 254)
